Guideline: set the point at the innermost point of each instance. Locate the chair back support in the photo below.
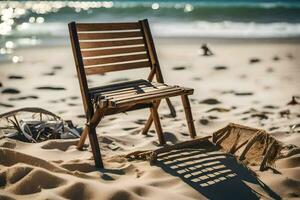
(105, 47)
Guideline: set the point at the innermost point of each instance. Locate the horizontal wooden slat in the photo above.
(136, 93)
(86, 45)
(107, 26)
(116, 67)
(99, 36)
(151, 97)
(145, 94)
(104, 52)
(115, 59)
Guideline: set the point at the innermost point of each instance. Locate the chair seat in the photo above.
(134, 92)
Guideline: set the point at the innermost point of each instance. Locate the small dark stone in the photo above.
(15, 77)
(203, 121)
(210, 101)
(220, 67)
(179, 68)
(243, 93)
(57, 67)
(50, 88)
(254, 60)
(49, 74)
(1, 84)
(276, 58)
(10, 91)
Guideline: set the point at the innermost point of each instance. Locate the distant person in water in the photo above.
(206, 50)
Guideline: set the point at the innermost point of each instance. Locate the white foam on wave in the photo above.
(227, 29)
(224, 29)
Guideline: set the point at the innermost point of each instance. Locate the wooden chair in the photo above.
(106, 47)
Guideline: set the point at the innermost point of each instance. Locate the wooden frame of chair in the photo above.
(95, 111)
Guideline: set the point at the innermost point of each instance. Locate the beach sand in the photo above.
(246, 82)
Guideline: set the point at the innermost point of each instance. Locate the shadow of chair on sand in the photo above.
(214, 174)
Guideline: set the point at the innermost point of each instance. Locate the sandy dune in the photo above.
(244, 82)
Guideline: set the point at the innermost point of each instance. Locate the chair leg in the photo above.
(150, 120)
(188, 115)
(157, 124)
(93, 122)
(82, 138)
(95, 147)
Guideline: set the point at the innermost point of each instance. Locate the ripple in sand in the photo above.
(254, 60)
(57, 67)
(179, 68)
(10, 91)
(23, 98)
(210, 101)
(15, 77)
(220, 67)
(243, 93)
(6, 105)
(49, 74)
(218, 109)
(197, 78)
(271, 107)
(50, 88)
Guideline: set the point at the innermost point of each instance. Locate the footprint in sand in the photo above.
(210, 101)
(179, 68)
(10, 91)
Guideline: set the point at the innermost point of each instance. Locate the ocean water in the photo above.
(31, 23)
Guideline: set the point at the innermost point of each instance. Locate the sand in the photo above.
(246, 82)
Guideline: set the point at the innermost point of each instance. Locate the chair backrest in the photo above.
(106, 47)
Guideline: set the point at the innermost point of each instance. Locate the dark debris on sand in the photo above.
(220, 67)
(179, 68)
(57, 67)
(10, 91)
(243, 93)
(210, 101)
(50, 88)
(15, 77)
(254, 60)
(293, 101)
